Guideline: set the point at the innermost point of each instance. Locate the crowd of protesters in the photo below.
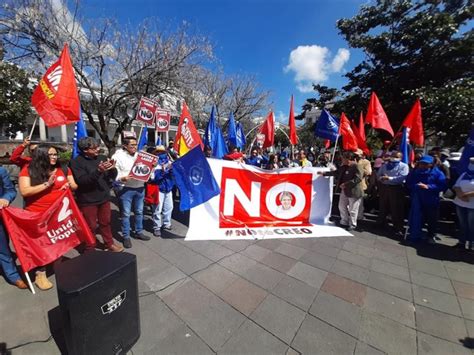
(378, 185)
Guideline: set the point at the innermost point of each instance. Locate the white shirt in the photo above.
(465, 186)
(124, 162)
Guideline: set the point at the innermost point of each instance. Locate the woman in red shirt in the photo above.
(41, 183)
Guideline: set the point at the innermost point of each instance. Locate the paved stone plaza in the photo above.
(365, 294)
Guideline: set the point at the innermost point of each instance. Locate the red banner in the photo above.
(256, 200)
(40, 238)
(162, 119)
(56, 97)
(146, 111)
(143, 166)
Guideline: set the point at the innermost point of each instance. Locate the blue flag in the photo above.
(467, 153)
(194, 179)
(231, 131)
(327, 126)
(219, 149)
(158, 140)
(210, 129)
(404, 146)
(241, 141)
(143, 138)
(79, 132)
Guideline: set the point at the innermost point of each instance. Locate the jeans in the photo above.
(132, 197)
(349, 209)
(165, 206)
(6, 260)
(466, 223)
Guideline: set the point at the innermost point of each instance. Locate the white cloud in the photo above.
(312, 65)
(340, 59)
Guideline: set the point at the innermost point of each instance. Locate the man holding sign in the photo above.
(132, 191)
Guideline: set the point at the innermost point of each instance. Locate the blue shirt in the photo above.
(397, 174)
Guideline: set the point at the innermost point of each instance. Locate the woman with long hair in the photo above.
(272, 163)
(41, 183)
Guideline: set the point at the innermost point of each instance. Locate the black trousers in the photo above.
(392, 202)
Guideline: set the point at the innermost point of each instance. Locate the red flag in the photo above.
(376, 115)
(362, 126)
(268, 129)
(42, 237)
(360, 141)
(349, 140)
(327, 143)
(414, 122)
(56, 98)
(187, 136)
(291, 123)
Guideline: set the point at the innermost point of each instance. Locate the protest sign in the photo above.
(257, 204)
(143, 166)
(162, 119)
(146, 111)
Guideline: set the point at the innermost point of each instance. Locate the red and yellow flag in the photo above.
(187, 136)
(56, 98)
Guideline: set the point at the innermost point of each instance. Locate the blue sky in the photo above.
(286, 44)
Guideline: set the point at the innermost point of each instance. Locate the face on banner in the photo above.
(146, 111)
(143, 166)
(162, 119)
(256, 200)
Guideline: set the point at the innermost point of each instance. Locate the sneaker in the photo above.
(142, 236)
(431, 241)
(168, 228)
(42, 281)
(115, 248)
(157, 233)
(127, 243)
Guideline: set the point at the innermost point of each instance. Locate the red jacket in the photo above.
(17, 157)
(152, 195)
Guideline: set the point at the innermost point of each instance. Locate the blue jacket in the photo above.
(7, 189)
(164, 180)
(435, 180)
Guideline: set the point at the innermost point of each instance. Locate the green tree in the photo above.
(414, 49)
(15, 95)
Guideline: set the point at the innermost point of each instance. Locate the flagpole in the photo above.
(393, 140)
(335, 148)
(29, 283)
(32, 129)
(140, 134)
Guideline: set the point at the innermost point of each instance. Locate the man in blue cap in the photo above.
(425, 183)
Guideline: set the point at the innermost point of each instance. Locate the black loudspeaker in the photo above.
(98, 299)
